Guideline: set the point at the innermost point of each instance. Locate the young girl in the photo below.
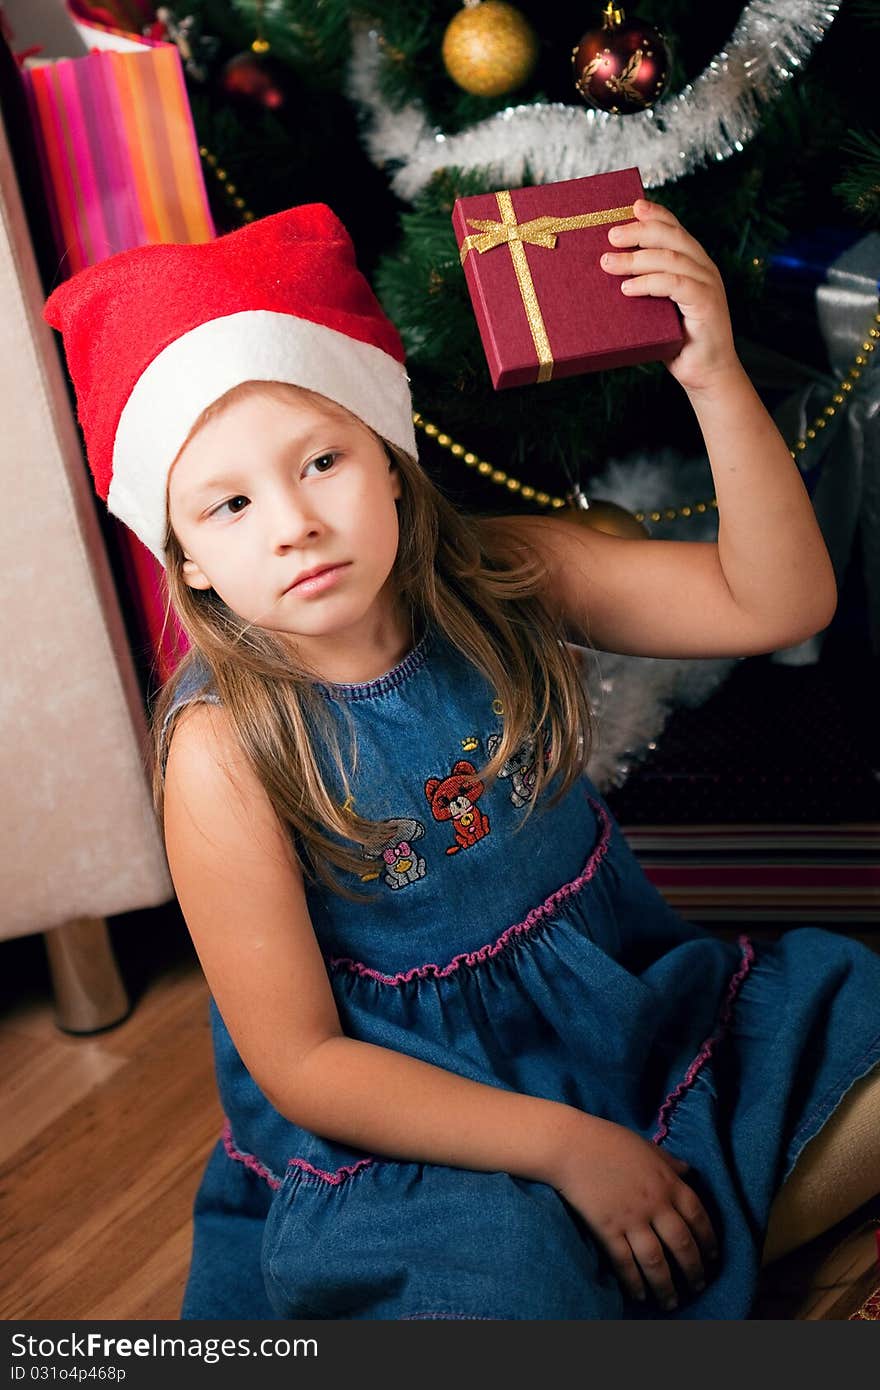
(472, 1064)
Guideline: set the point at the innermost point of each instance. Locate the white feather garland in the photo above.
(708, 120)
(633, 696)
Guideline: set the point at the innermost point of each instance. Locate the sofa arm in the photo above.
(79, 836)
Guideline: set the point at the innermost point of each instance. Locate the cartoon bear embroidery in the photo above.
(520, 767)
(403, 864)
(454, 798)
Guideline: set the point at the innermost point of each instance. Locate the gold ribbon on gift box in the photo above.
(539, 231)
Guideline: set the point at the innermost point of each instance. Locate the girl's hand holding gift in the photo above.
(668, 261)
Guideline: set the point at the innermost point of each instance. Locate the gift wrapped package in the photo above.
(543, 303)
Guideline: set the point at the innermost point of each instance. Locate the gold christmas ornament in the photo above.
(489, 48)
(608, 517)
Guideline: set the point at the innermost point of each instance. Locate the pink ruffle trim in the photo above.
(247, 1159)
(335, 1178)
(534, 919)
(705, 1052)
(263, 1172)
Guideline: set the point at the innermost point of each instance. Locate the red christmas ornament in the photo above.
(622, 67)
(257, 78)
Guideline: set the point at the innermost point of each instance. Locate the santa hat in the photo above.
(155, 334)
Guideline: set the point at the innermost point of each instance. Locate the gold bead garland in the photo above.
(844, 389)
(531, 494)
(545, 499)
(222, 177)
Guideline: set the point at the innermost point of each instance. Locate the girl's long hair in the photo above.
(476, 578)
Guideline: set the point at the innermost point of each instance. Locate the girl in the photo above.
(472, 1064)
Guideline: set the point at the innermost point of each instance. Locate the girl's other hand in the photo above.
(670, 262)
(631, 1195)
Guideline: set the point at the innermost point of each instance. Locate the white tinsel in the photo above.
(708, 120)
(633, 696)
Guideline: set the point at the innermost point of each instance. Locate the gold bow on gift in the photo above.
(540, 231)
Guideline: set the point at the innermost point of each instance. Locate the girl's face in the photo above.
(270, 488)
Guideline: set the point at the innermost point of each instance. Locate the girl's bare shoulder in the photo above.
(213, 793)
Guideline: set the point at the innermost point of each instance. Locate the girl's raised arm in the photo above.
(657, 597)
(768, 582)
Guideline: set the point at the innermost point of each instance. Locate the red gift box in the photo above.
(544, 305)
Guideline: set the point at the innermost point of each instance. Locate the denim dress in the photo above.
(534, 956)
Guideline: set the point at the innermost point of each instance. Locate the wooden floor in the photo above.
(104, 1140)
(106, 1136)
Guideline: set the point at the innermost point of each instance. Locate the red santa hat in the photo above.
(155, 334)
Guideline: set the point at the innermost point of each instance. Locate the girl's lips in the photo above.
(318, 582)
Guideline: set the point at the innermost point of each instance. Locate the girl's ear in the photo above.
(396, 485)
(193, 576)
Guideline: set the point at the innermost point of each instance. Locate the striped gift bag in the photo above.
(121, 168)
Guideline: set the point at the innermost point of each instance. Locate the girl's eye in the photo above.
(218, 510)
(321, 458)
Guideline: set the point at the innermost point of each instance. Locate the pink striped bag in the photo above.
(121, 168)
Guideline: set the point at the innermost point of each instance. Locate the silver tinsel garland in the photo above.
(708, 119)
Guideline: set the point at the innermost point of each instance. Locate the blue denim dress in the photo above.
(532, 956)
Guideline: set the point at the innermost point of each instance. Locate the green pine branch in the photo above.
(860, 186)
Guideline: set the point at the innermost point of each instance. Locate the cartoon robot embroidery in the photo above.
(455, 798)
(403, 864)
(520, 768)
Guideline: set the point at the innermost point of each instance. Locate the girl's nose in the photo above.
(292, 522)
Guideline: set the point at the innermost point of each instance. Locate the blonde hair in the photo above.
(480, 586)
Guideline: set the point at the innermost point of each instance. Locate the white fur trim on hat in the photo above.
(203, 364)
